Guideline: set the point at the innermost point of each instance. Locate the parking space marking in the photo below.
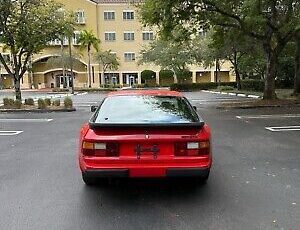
(24, 120)
(10, 133)
(283, 128)
(275, 116)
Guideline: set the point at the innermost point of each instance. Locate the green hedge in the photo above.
(200, 86)
(147, 75)
(253, 85)
(166, 73)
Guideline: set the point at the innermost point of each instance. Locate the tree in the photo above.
(229, 44)
(169, 54)
(68, 31)
(267, 22)
(26, 28)
(87, 40)
(107, 61)
(297, 65)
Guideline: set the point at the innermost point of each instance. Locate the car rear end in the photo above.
(171, 141)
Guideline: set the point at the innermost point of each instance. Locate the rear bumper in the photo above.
(124, 173)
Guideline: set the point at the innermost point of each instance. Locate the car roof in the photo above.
(145, 93)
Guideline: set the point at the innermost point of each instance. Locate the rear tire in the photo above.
(89, 181)
(94, 181)
(204, 178)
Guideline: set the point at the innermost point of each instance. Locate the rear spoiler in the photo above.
(199, 124)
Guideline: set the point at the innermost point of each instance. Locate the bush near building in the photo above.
(56, 102)
(68, 103)
(29, 101)
(201, 86)
(48, 102)
(147, 75)
(41, 104)
(184, 76)
(149, 78)
(8, 102)
(18, 104)
(253, 85)
(166, 78)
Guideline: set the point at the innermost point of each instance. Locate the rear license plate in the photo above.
(148, 172)
(147, 150)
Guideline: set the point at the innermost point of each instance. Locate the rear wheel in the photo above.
(203, 179)
(89, 181)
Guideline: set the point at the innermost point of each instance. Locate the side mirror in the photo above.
(94, 108)
(195, 107)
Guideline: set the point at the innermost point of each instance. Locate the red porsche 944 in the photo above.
(145, 133)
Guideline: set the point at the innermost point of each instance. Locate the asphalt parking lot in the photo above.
(254, 182)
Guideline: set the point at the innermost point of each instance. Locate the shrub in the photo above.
(225, 88)
(56, 102)
(286, 83)
(184, 75)
(29, 101)
(166, 74)
(253, 85)
(8, 102)
(200, 86)
(58, 90)
(139, 86)
(18, 104)
(68, 103)
(41, 104)
(147, 75)
(47, 102)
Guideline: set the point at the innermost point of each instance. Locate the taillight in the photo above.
(192, 148)
(108, 149)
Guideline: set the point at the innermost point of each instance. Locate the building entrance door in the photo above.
(131, 81)
(63, 81)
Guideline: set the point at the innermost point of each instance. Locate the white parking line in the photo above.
(275, 116)
(283, 128)
(80, 94)
(10, 133)
(24, 120)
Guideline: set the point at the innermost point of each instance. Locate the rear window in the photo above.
(145, 110)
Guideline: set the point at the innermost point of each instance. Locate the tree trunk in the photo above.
(17, 88)
(71, 63)
(297, 66)
(89, 69)
(238, 79)
(269, 91)
(236, 70)
(62, 59)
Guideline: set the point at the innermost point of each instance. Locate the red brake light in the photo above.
(109, 149)
(192, 148)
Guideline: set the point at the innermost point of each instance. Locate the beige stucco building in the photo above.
(116, 23)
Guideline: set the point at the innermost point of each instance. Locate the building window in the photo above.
(109, 15)
(80, 17)
(129, 36)
(76, 36)
(110, 36)
(148, 36)
(128, 15)
(57, 42)
(129, 56)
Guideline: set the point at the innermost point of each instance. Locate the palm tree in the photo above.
(107, 60)
(87, 40)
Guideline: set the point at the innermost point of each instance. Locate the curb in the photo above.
(36, 110)
(233, 94)
(256, 106)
